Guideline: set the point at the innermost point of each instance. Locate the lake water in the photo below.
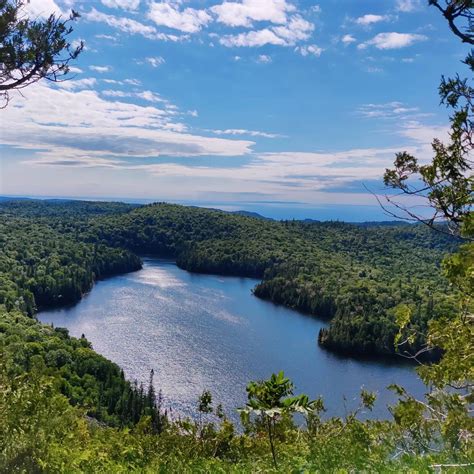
(208, 332)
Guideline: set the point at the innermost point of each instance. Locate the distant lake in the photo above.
(208, 332)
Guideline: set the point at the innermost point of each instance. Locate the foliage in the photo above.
(41, 267)
(459, 16)
(444, 420)
(86, 378)
(447, 181)
(271, 400)
(32, 49)
(42, 432)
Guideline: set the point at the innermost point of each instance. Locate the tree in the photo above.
(456, 12)
(204, 408)
(271, 399)
(447, 182)
(32, 49)
(444, 419)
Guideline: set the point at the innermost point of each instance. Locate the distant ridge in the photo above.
(52, 201)
(383, 223)
(362, 224)
(255, 215)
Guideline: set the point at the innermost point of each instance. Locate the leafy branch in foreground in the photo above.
(446, 183)
(443, 421)
(32, 49)
(459, 15)
(271, 400)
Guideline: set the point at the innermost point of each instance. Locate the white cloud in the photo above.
(89, 132)
(306, 176)
(115, 93)
(42, 8)
(394, 110)
(393, 40)
(424, 134)
(300, 176)
(287, 176)
(148, 96)
(252, 39)
(106, 37)
(100, 69)
(348, 39)
(124, 4)
(86, 83)
(370, 19)
(264, 58)
(286, 27)
(132, 82)
(130, 26)
(64, 124)
(246, 12)
(407, 6)
(155, 61)
(188, 20)
(297, 29)
(310, 50)
(251, 133)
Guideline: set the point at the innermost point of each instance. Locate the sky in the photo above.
(291, 108)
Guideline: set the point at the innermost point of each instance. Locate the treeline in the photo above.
(62, 208)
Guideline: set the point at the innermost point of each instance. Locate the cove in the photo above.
(209, 332)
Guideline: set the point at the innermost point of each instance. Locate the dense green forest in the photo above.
(42, 267)
(353, 275)
(86, 378)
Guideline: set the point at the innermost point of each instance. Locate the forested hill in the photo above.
(353, 275)
(43, 260)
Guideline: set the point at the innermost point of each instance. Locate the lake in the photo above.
(209, 332)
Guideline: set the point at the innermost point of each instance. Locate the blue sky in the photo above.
(278, 106)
